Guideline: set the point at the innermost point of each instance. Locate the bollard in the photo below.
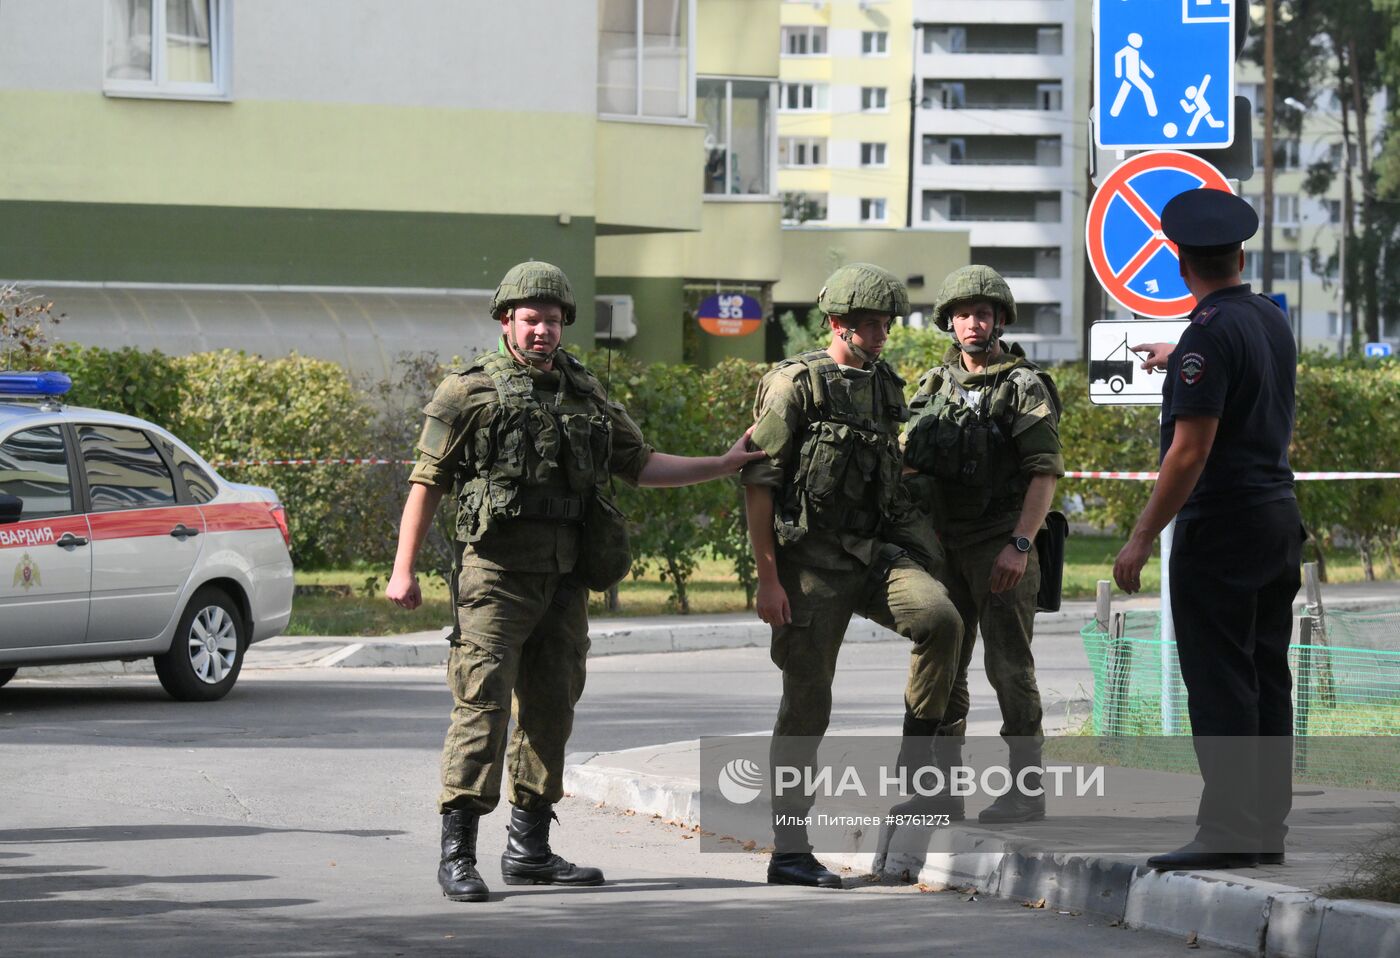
(1303, 713)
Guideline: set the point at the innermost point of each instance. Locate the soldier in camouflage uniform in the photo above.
(984, 439)
(830, 524)
(528, 440)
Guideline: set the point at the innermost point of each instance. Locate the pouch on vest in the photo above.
(604, 554)
(588, 440)
(1050, 550)
(824, 455)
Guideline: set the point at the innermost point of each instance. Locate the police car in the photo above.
(117, 541)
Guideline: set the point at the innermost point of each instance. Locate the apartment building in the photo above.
(1307, 241)
(844, 112)
(999, 147)
(196, 175)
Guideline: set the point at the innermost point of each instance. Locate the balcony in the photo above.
(639, 197)
(994, 11)
(994, 66)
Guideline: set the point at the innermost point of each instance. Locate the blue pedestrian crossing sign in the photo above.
(1166, 74)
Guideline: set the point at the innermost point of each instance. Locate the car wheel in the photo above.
(206, 653)
(6, 675)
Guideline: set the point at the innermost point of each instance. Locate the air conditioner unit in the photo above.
(1290, 232)
(616, 318)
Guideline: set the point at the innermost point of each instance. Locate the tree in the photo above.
(1337, 49)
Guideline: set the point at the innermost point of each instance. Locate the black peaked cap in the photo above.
(1207, 220)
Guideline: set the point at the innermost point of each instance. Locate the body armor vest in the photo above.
(966, 447)
(848, 469)
(535, 459)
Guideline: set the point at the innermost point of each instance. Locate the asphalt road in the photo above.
(296, 818)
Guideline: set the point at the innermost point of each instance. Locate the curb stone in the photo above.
(1254, 917)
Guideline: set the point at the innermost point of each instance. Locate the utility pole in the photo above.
(1267, 266)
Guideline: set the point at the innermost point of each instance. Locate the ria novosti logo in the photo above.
(740, 781)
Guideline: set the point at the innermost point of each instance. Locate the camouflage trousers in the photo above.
(520, 636)
(905, 599)
(1006, 620)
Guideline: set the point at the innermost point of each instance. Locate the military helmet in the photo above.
(863, 286)
(972, 282)
(538, 281)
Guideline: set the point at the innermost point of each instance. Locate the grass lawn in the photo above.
(366, 612)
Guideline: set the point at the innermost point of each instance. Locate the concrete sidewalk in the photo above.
(1273, 910)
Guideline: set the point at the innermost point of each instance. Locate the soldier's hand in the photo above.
(1157, 354)
(772, 603)
(403, 590)
(1127, 568)
(1009, 568)
(740, 455)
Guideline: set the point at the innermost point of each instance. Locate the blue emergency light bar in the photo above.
(34, 384)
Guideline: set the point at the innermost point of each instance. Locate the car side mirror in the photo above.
(11, 508)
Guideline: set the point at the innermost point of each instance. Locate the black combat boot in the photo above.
(457, 872)
(1018, 806)
(920, 744)
(794, 863)
(527, 859)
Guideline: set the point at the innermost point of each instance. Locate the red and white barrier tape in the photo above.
(1140, 476)
(1303, 476)
(233, 463)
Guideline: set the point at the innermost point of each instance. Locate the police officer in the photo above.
(1227, 419)
(528, 440)
(984, 441)
(828, 520)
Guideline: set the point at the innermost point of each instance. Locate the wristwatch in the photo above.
(1021, 543)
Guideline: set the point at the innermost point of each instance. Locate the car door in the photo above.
(144, 540)
(45, 557)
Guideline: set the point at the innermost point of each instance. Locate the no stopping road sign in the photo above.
(1133, 261)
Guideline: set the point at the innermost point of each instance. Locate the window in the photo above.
(873, 98)
(34, 467)
(944, 149)
(1050, 41)
(1286, 209)
(947, 95)
(644, 66)
(1044, 318)
(872, 210)
(872, 154)
(1334, 323)
(943, 206)
(124, 471)
(1334, 211)
(947, 39)
(1049, 96)
(200, 484)
(874, 43)
(1286, 153)
(804, 41)
(1286, 264)
(1334, 153)
(167, 48)
(802, 97)
(802, 151)
(803, 207)
(736, 115)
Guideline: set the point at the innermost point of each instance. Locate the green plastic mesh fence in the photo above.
(1347, 685)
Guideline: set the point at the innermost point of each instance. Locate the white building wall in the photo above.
(1065, 235)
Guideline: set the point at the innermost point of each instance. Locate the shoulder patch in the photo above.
(1204, 317)
(1193, 368)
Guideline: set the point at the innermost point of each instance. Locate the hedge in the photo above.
(230, 406)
